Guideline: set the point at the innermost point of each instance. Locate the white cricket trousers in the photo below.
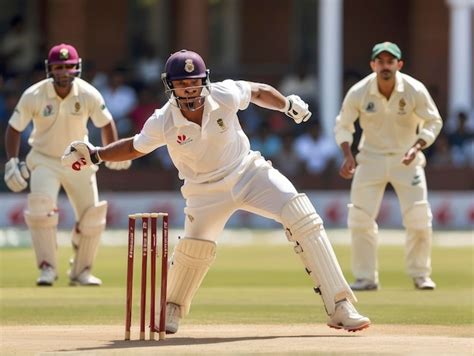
(373, 173)
(48, 175)
(259, 189)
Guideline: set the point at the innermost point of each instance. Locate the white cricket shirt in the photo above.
(204, 153)
(389, 126)
(56, 121)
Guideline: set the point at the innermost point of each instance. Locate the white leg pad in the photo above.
(86, 237)
(42, 220)
(190, 262)
(305, 228)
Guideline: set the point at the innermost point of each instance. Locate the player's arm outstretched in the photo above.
(268, 97)
(82, 154)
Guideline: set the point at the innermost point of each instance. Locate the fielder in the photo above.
(200, 127)
(60, 107)
(398, 119)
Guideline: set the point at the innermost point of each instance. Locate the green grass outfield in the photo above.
(247, 284)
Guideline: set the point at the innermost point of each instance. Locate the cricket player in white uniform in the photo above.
(398, 119)
(60, 107)
(200, 127)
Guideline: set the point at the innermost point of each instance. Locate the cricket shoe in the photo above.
(424, 283)
(47, 276)
(173, 317)
(362, 284)
(346, 317)
(85, 278)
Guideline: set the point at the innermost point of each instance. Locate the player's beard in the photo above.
(63, 81)
(386, 74)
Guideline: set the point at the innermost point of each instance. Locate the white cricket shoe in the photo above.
(346, 317)
(85, 278)
(173, 317)
(361, 284)
(47, 276)
(424, 283)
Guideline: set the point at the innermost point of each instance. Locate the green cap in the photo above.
(389, 47)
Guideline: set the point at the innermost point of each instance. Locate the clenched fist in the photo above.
(80, 154)
(297, 109)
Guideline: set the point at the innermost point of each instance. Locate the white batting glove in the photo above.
(16, 174)
(118, 165)
(79, 155)
(297, 109)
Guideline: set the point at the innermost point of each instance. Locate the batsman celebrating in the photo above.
(200, 127)
(398, 119)
(60, 107)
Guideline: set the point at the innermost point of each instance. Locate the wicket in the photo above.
(145, 217)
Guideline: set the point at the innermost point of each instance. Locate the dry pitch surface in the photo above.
(241, 339)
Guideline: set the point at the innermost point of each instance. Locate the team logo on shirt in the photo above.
(48, 110)
(189, 65)
(77, 106)
(370, 107)
(221, 124)
(183, 139)
(401, 106)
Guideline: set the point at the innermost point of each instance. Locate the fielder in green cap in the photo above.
(399, 120)
(388, 47)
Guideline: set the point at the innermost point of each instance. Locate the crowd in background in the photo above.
(132, 91)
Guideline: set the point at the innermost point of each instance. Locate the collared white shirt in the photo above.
(56, 121)
(202, 153)
(389, 126)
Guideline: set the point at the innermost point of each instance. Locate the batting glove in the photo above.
(16, 174)
(80, 154)
(118, 165)
(297, 109)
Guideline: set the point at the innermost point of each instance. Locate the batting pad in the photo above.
(305, 228)
(42, 220)
(190, 262)
(87, 237)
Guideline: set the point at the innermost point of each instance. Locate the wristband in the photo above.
(95, 158)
